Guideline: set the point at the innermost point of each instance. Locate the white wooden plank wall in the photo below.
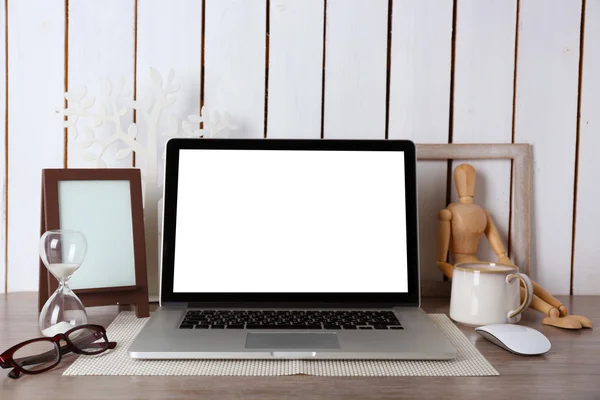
(169, 39)
(421, 52)
(546, 115)
(234, 63)
(101, 50)
(295, 69)
(483, 100)
(35, 89)
(355, 69)
(586, 272)
(3, 158)
(338, 87)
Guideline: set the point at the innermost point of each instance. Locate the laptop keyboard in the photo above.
(254, 319)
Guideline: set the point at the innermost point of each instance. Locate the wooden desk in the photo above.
(570, 370)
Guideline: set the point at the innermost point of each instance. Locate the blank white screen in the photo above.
(290, 221)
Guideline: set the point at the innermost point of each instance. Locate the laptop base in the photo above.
(420, 339)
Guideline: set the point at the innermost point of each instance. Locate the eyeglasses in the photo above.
(42, 354)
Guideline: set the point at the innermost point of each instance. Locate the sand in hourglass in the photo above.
(62, 270)
(61, 327)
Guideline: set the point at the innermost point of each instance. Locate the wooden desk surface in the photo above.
(570, 370)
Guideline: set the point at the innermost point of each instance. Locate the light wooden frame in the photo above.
(520, 154)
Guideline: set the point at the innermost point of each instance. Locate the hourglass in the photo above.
(62, 252)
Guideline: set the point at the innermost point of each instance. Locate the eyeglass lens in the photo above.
(88, 340)
(37, 355)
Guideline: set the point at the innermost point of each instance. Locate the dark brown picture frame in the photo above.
(137, 294)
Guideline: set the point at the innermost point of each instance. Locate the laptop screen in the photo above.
(290, 221)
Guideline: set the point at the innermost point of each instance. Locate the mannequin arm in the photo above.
(544, 295)
(540, 305)
(491, 232)
(442, 243)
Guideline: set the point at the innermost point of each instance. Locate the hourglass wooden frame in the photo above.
(136, 294)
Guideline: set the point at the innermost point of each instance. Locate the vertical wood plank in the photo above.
(586, 274)
(483, 100)
(234, 50)
(421, 52)
(355, 69)
(3, 153)
(546, 112)
(169, 38)
(101, 48)
(35, 89)
(295, 69)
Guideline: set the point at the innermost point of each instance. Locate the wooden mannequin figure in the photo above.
(460, 227)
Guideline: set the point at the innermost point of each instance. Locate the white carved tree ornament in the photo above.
(86, 114)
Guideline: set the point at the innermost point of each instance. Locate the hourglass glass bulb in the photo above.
(62, 252)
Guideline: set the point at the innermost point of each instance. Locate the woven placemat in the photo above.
(126, 326)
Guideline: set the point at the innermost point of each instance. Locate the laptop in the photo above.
(290, 249)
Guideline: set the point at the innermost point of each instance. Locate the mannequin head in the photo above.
(464, 179)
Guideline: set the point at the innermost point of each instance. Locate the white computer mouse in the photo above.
(516, 338)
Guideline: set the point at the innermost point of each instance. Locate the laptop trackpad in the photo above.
(292, 341)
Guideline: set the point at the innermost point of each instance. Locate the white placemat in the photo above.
(126, 326)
